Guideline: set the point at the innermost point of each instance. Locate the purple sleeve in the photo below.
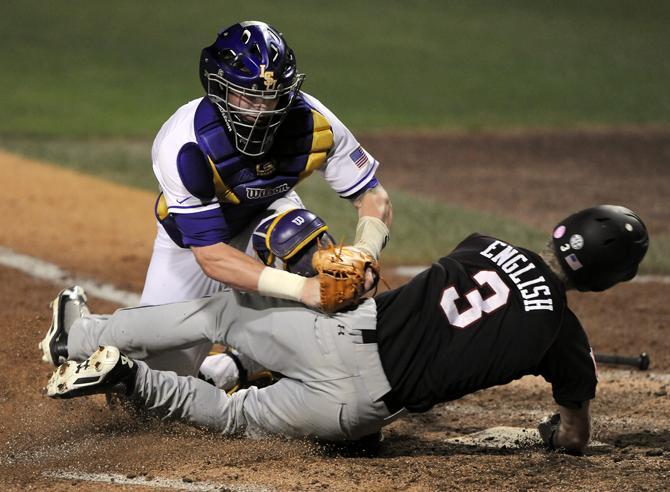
(203, 228)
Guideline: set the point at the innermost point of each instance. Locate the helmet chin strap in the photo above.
(264, 142)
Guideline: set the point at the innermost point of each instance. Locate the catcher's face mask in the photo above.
(250, 74)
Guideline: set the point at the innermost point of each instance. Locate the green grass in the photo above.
(424, 230)
(94, 81)
(440, 226)
(82, 68)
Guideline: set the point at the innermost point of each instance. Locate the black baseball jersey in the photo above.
(484, 315)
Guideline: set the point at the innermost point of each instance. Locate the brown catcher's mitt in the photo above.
(341, 273)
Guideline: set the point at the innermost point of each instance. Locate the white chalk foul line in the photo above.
(48, 271)
(159, 483)
(408, 271)
(652, 279)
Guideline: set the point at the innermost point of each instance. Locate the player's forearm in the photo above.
(235, 269)
(375, 215)
(376, 203)
(229, 266)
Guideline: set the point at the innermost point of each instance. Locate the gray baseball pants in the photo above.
(333, 382)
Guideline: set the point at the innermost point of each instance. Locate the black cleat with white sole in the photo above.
(106, 371)
(68, 306)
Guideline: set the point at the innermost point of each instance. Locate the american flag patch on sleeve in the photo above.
(359, 157)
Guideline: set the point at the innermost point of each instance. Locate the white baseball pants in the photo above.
(333, 382)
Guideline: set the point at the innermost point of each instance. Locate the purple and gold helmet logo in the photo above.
(268, 78)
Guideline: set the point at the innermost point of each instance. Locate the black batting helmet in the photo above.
(600, 246)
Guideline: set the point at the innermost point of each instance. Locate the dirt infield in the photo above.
(105, 231)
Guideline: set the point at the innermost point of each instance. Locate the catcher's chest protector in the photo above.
(240, 183)
(301, 146)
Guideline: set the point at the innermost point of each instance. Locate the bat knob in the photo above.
(643, 361)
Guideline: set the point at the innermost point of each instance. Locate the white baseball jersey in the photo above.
(348, 167)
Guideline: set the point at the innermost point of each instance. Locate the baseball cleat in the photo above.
(106, 371)
(68, 306)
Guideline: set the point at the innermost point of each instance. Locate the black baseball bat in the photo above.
(641, 361)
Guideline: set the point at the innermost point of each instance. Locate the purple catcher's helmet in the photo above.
(250, 74)
(600, 246)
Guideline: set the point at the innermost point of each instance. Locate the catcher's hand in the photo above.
(342, 275)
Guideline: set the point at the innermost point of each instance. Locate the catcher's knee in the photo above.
(292, 238)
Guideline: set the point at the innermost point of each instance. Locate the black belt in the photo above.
(369, 336)
(392, 402)
(390, 399)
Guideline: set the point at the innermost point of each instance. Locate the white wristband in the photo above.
(281, 284)
(371, 235)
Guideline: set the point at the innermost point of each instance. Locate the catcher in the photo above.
(484, 315)
(232, 157)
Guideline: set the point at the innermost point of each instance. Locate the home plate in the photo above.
(505, 437)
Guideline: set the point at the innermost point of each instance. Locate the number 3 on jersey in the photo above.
(478, 305)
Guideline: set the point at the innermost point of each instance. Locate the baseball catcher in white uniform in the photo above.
(227, 161)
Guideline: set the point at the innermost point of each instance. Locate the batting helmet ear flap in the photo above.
(600, 246)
